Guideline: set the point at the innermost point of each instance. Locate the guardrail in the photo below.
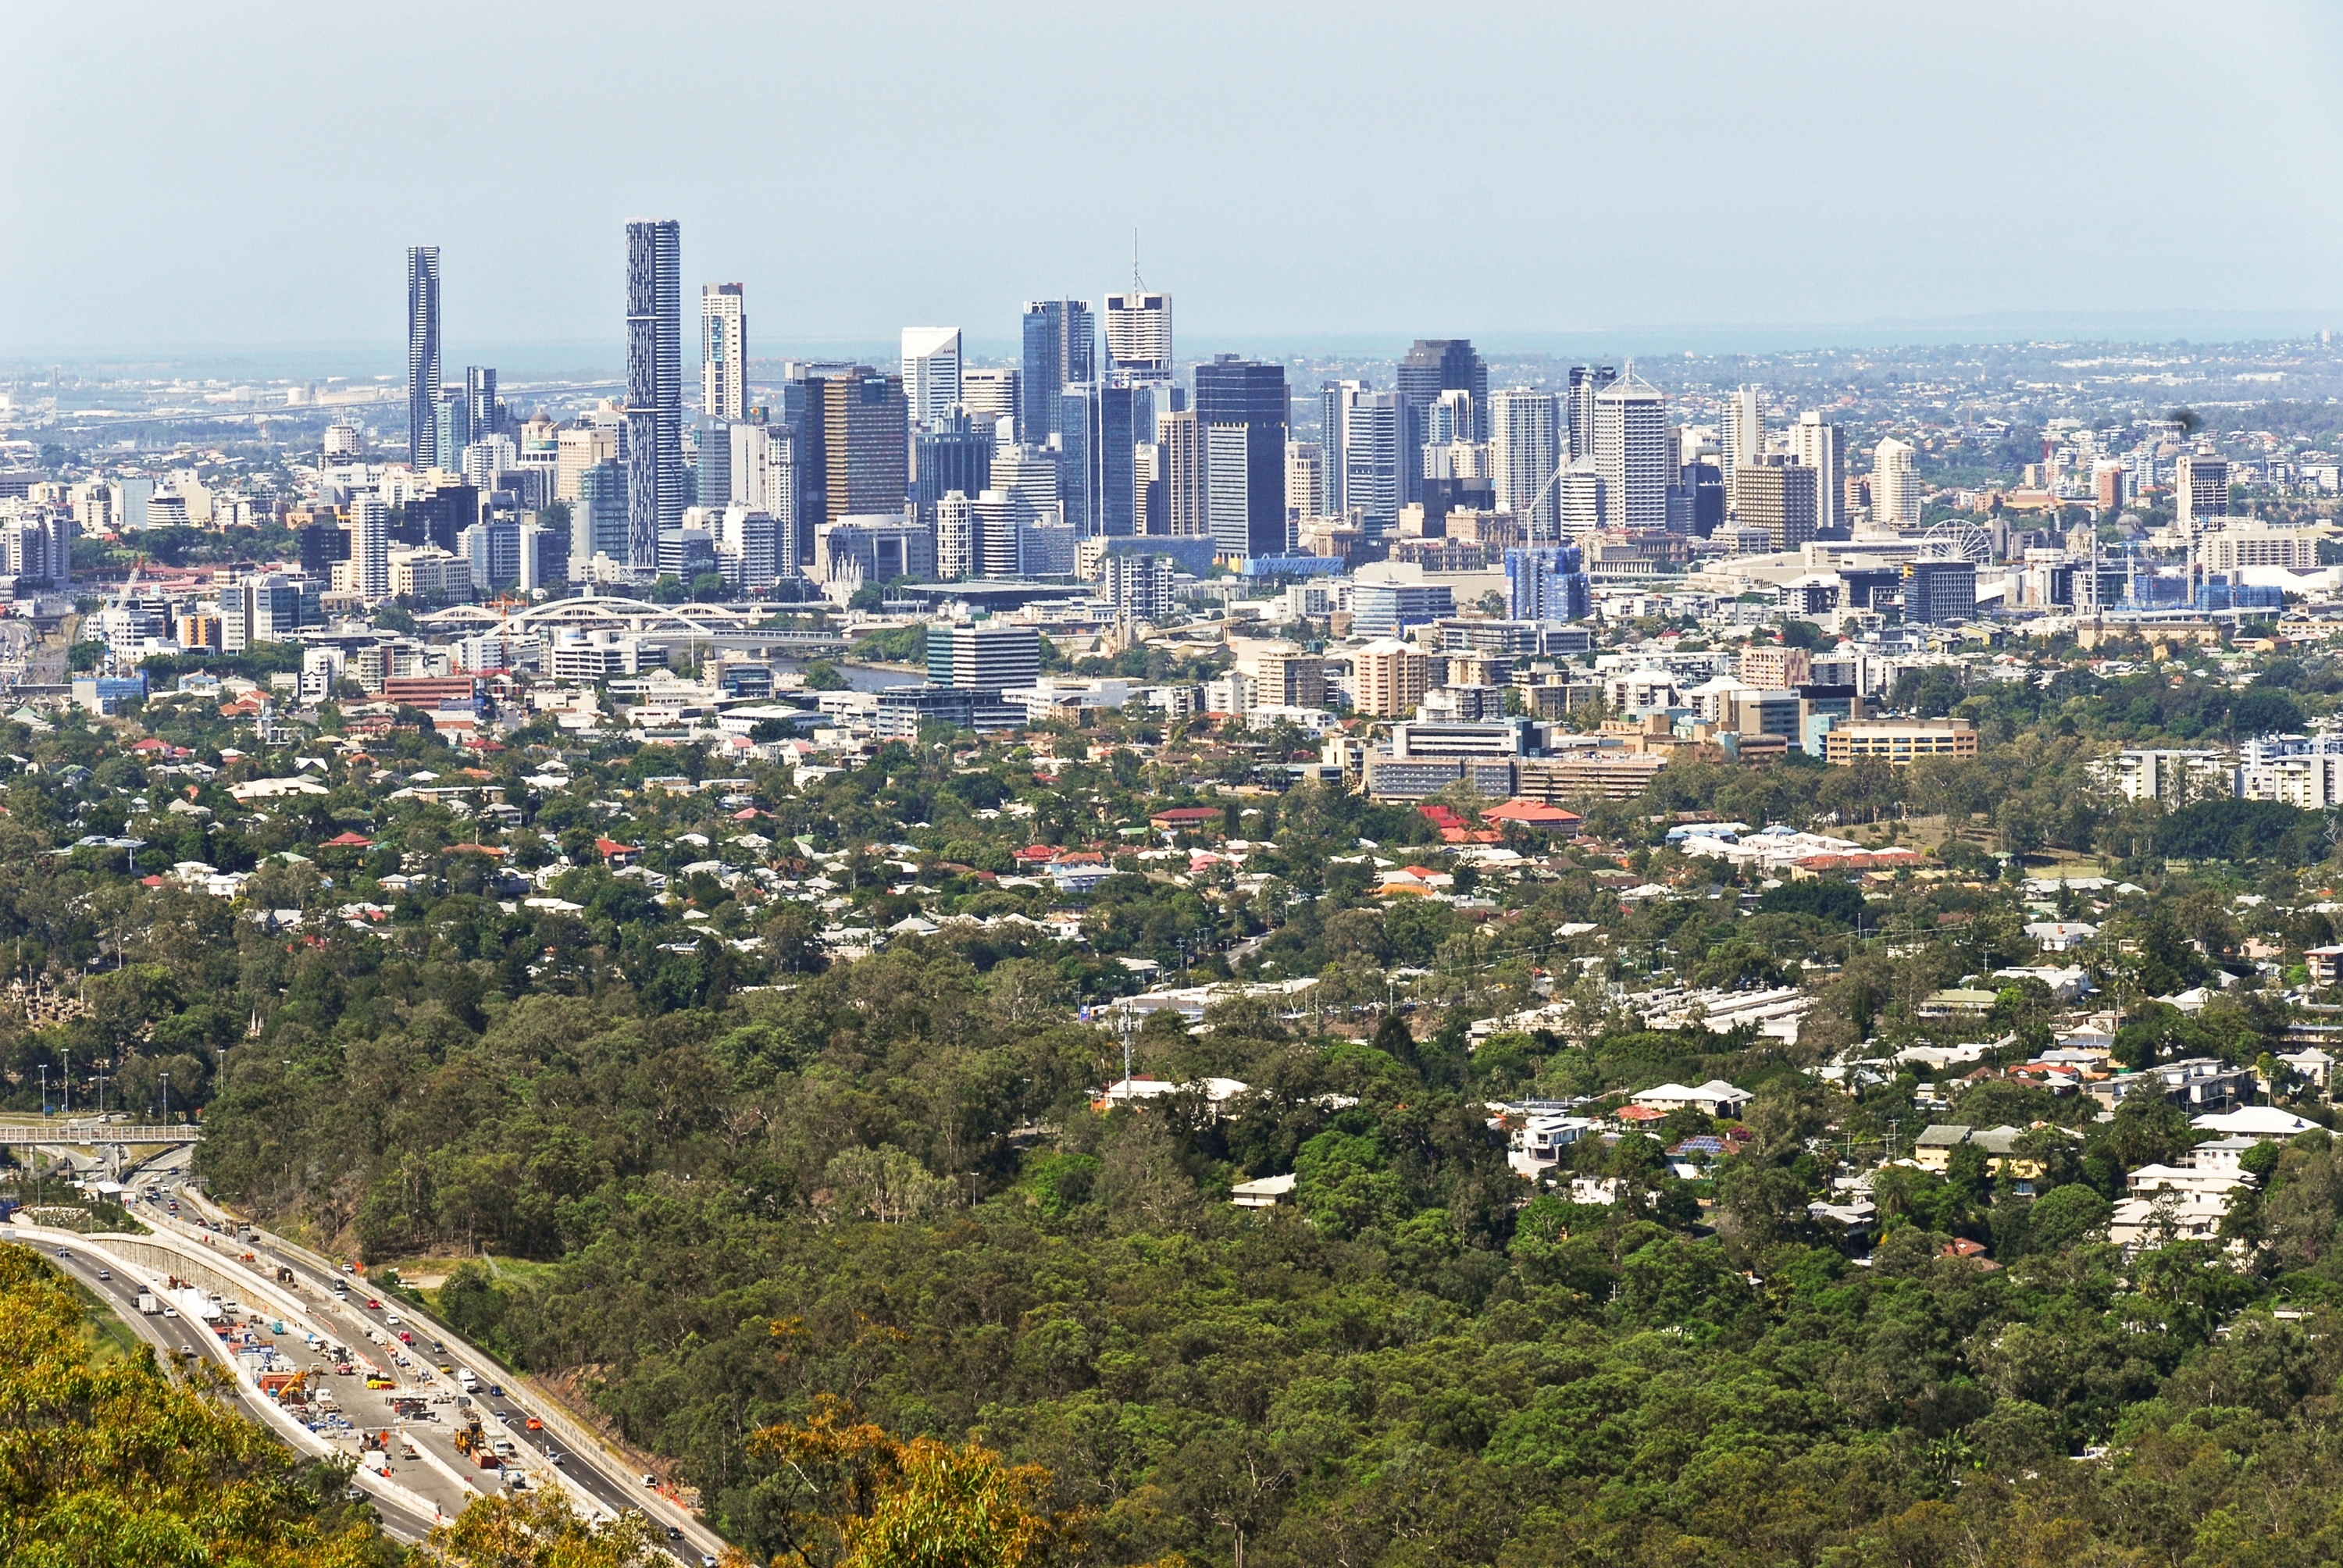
(79, 1134)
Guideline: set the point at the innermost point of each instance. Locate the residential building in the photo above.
(1305, 479)
(1740, 437)
(483, 407)
(2228, 551)
(1139, 586)
(370, 547)
(577, 450)
(654, 471)
(752, 549)
(1774, 667)
(1387, 679)
(1818, 446)
(1527, 436)
(1180, 462)
(2175, 777)
(2200, 490)
(1899, 741)
(1547, 583)
(1895, 485)
(956, 538)
(931, 374)
(422, 356)
(723, 352)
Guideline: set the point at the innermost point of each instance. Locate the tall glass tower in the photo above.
(655, 472)
(422, 355)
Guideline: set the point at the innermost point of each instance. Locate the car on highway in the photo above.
(534, 1424)
(373, 1305)
(62, 1252)
(496, 1390)
(105, 1274)
(650, 1480)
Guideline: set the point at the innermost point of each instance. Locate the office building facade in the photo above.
(866, 443)
(1249, 397)
(1061, 342)
(1578, 404)
(932, 373)
(1818, 446)
(1631, 452)
(1434, 365)
(1138, 336)
(1781, 495)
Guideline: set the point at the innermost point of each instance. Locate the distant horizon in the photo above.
(592, 358)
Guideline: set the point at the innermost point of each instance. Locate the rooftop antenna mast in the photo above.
(1137, 287)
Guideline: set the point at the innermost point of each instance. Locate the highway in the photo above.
(177, 1339)
(598, 1480)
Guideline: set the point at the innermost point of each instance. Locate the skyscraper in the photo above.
(2200, 487)
(1138, 336)
(1781, 497)
(422, 355)
(1435, 365)
(1631, 452)
(370, 547)
(1819, 447)
(1180, 462)
(1242, 407)
(481, 401)
(1526, 430)
(931, 374)
(1333, 397)
(1123, 413)
(1077, 426)
(866, 443)
(988, 393)
(1895, 487)
(723, 352)
(1585, 381)
(1371, 482)
(1061, 345)
(454, 426)
(1305, 479)
(655, 472)
(1741, 437)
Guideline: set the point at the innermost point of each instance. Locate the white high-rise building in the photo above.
(1527, 435)
(1371, 443)
(932, 372)
(370, 547)
(723, 352)
(1305, 479)
(1179, 456)
(747, 542)
(1631, 453)
(988, 393)
(1741, 436)
(1138, 336)
(1895, 486)
(1818, 445)
(956, 538)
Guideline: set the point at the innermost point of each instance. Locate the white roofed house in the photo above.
(1715, 1098)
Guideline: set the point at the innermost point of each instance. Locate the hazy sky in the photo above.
(220, 175)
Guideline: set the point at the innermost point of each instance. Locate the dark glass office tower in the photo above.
(1123, 413)
(655, 472)
(952, 455)
(1060, 340)
(1435, 365)
(1240, 406)
(422, 356)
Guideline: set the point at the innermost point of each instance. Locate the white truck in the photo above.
(150, 1304)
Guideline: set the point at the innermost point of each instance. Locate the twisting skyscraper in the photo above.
(655, 474)
(422, 355)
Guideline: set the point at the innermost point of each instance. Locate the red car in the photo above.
(406, 1338)
(373, 1305)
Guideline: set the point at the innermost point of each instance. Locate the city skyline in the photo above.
(2083, 233)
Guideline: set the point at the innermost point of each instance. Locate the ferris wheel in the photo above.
(1956, 540)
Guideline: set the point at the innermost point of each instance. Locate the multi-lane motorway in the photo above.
(390, 1342)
